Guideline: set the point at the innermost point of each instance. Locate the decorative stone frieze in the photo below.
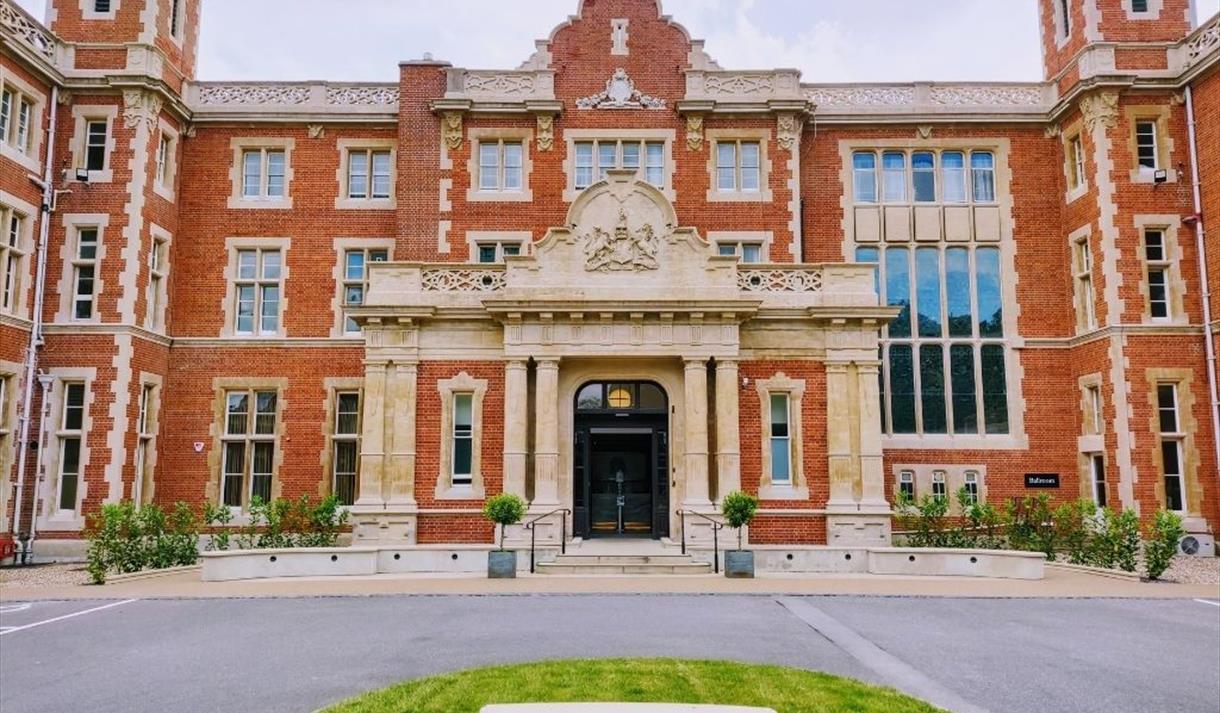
(26, 30)
(1203, 42)
(245, 94)
(928, 98)
(140, 107)
(620, 93)
(469, 279)
(292, 98)
(362, 96)
(796, 279)
(451, 129)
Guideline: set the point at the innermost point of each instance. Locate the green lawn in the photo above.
(787, 690)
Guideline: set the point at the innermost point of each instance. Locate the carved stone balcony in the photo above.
(1008, 100)
(230, 100)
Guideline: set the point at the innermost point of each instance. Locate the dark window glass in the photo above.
(264, 456)
(651, 397)
(235, 456)
(902, 388)
(923, 166)
(867, 254)
(1167, 405)
(70, 473)
(345, 472)
(74, 411)
(1099, 479)
(932, 386)
(961, 380)
(95, 145)
(590, 397)
(995, 392)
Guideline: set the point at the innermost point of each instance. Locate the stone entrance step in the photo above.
(624, 564)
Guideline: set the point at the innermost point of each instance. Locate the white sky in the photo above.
(828, 40)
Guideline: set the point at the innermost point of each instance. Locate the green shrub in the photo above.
(283, 523)
(1162, 543)
(1074, 524)
(504, 509)
(218, 517)
(738, 509)
(925, 519)
(1127, 540)
(122, 538)
(1032, 525)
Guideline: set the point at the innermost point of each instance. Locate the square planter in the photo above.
(501, 564)
(739, 564)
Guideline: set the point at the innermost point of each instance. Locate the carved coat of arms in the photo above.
(620, 93)
(622, 249)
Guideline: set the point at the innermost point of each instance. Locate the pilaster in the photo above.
(695, 461)
(546, 433)
(399, 478)
(728, 429)
(516, 395)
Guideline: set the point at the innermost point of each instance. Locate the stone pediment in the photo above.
(621, 240)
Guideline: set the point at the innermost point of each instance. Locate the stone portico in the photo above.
(621, 293)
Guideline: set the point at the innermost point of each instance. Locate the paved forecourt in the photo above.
(302, 653)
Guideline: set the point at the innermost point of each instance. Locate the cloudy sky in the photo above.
(828, 40)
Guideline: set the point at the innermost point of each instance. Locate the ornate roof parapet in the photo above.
(487, 90)
(29, 34)
(1202, 44)
(989, 99)
(749, 90)
(217, 100)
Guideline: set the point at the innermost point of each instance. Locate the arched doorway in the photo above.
(620, 478)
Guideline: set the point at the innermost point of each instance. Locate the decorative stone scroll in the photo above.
(620, 93)
(546, 132)
(861, 96)
(788, 131)
(362, 96)
(779, 280)
(500, 84)
(1100, 108)
(451, 129)
(694, 131)
(462, 279)
(621, 249)
(932, 98)
(984, 95)
(27, 30)
(140, 107)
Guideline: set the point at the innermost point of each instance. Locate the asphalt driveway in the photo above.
(300, 654)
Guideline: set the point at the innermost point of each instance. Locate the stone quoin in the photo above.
(617, 279)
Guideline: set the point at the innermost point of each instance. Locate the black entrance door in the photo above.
(620, 464)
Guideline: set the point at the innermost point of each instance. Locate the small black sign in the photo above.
(1042, 480)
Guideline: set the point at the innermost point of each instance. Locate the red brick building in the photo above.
(618, 279)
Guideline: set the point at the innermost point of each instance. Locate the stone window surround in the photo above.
(1084, 234)
(73, 223)
(157, 234)
(166, 190)
(955, 479)
(215, 460)
(479, 135)
(332, 387)
(345, 147)
(474, 238)
(1164, 143)
(148, 379)
(1089, 444)
(342, 245)
(1016, 438)
(10, 374)
(1168, 225)
(1153, 12)
(763, 238)
(51, 517)
(82, 114)
(87, 11)
(1063, 26)
(180, 36)
(461, 383)
(763, 137)
(571, 136)
(229, 303)
(619, 36)
(28, 215)
(240, 144)
(1075, 132)
(38, 100)
(797, 488)
(1192, 490)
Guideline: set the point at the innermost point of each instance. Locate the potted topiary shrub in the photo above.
(503, 509)
(738, 510)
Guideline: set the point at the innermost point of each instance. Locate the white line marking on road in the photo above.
(66, 616)
(10, 608)
(1204, 601)
(895, 671)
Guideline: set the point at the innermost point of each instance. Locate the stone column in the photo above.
(839, 445)
(516, 397)
(372, 440)
(872, 474)
(695, 492)
(546, 433)
(400, 465)
(728, 429)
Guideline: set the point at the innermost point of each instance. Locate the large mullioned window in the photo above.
(899, 176)
(249, 446)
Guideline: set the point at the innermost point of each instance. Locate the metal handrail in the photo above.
(563, 532)
(717, 526)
